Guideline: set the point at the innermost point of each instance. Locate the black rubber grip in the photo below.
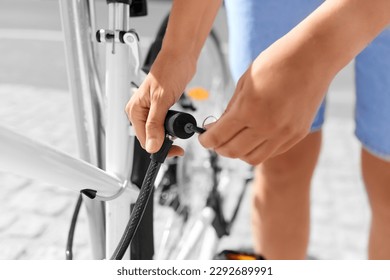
(162, 154)
(177, 124)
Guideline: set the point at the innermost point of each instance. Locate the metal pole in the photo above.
(86, 94)
(119, 143)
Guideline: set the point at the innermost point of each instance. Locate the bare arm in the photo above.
(277, 97)
(189, 24)
(337, 31)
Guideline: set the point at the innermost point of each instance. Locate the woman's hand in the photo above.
(149, 105)
(272, 108)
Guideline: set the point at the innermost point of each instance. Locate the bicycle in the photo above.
(105, 141)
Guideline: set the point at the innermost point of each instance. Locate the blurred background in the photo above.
(35, 100)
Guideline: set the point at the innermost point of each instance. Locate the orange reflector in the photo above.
(237, 256)
(240, 257)
(198, 94)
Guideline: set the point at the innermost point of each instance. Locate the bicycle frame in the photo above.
(122, 64)
(24, 156)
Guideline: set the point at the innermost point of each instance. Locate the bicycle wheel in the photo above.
(187, 180)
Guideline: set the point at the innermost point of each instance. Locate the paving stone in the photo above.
(51, 205)
(12, 248)
(44, 252)
(26, 200)
(7, 219)
(11, 184)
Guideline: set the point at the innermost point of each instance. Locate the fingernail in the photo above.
(150, 143)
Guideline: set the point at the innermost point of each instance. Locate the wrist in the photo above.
(174, 61)
(170, 73)
(173, 53)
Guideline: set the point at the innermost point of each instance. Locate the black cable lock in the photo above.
(177, 124)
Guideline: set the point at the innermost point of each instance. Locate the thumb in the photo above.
(155, 132)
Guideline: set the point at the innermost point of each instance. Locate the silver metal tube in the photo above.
(209, 245)
(75, 22)
(119, 143)
(188, 242)
(164, 249)
(78, 26)
(21, 155)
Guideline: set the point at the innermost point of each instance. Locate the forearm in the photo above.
(189, 24)
(334, 34)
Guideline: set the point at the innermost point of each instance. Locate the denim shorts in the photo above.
(256, 24)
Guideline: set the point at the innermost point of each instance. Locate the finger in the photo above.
(137, 116)
(241, 144)
(176, 151)
(259, 154)
(221, 131)
(227, 125)
(155, 133)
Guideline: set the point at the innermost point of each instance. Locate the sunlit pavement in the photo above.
(34, 99)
